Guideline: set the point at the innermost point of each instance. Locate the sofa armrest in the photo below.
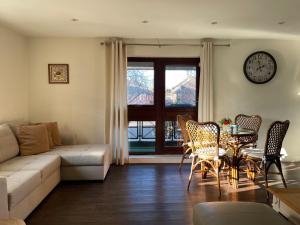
(3, 198)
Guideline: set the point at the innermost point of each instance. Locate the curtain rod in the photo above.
(168, 45)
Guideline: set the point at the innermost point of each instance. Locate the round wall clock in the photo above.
(260, 67)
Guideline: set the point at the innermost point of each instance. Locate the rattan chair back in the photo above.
(248, 122)
(275, 136)
(182, 119)
(251, 123)
(204, 137)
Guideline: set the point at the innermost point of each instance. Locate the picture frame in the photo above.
(58, 73)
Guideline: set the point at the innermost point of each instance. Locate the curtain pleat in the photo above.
(205, 106)
(118, 102)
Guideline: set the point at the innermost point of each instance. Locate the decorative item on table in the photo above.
(58, 73)
(225, 123)
(234, 128)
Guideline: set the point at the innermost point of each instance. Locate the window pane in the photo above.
(141, 136)
(180, 88)
(140, 83)
(173, 136)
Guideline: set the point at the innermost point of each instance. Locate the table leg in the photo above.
(235, 168)
(250, 171)
(204, 170)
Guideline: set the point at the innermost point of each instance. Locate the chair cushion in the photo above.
(45, 164)
(20, 184)
(253, 152)
(236, 213)
(9, 147)
(209, 153)
(259, 153)
(81, 155)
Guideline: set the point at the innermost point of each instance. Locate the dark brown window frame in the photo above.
(158, 112)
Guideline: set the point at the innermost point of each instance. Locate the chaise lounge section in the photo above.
(26, 180)
(83, 162)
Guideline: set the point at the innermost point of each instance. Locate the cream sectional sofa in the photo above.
(26, 180)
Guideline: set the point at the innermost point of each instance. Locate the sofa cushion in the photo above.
(33, 139)
(20, 184)
(81, 155)
(9, 147)
(45, 164)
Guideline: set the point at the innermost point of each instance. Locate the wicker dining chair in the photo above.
(204, 139)
(251, 123)
(260, 160)
(182, 119)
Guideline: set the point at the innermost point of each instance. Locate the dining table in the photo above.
(232, 141)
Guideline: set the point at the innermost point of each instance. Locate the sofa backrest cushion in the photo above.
(9, 147)
(33, 139)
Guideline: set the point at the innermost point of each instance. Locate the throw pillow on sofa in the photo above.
(53, 133)
(33, 139)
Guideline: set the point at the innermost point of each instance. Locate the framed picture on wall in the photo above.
(58, 73)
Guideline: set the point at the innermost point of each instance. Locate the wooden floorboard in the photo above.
(152, 194)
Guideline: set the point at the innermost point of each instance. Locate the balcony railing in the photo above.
(142, 134)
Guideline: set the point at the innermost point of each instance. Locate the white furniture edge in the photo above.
(285, 210)
(30, 202)
(27, 205)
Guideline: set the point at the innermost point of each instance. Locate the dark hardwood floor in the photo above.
(152, 194)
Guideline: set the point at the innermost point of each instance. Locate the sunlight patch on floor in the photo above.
(244, 184)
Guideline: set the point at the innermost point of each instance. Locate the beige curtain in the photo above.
(205, 106)
(118, 102)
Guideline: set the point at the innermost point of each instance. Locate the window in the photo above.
(140, 83)
(173, 136)
(158, 89)
(180, 88)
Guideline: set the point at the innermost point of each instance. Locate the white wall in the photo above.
(233, 93)
(168, 51)
(275, 100)
(79, 107)
(13, 76)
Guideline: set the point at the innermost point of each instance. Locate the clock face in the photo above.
(260, 67)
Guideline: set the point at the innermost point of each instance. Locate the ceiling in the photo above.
(167, 19)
